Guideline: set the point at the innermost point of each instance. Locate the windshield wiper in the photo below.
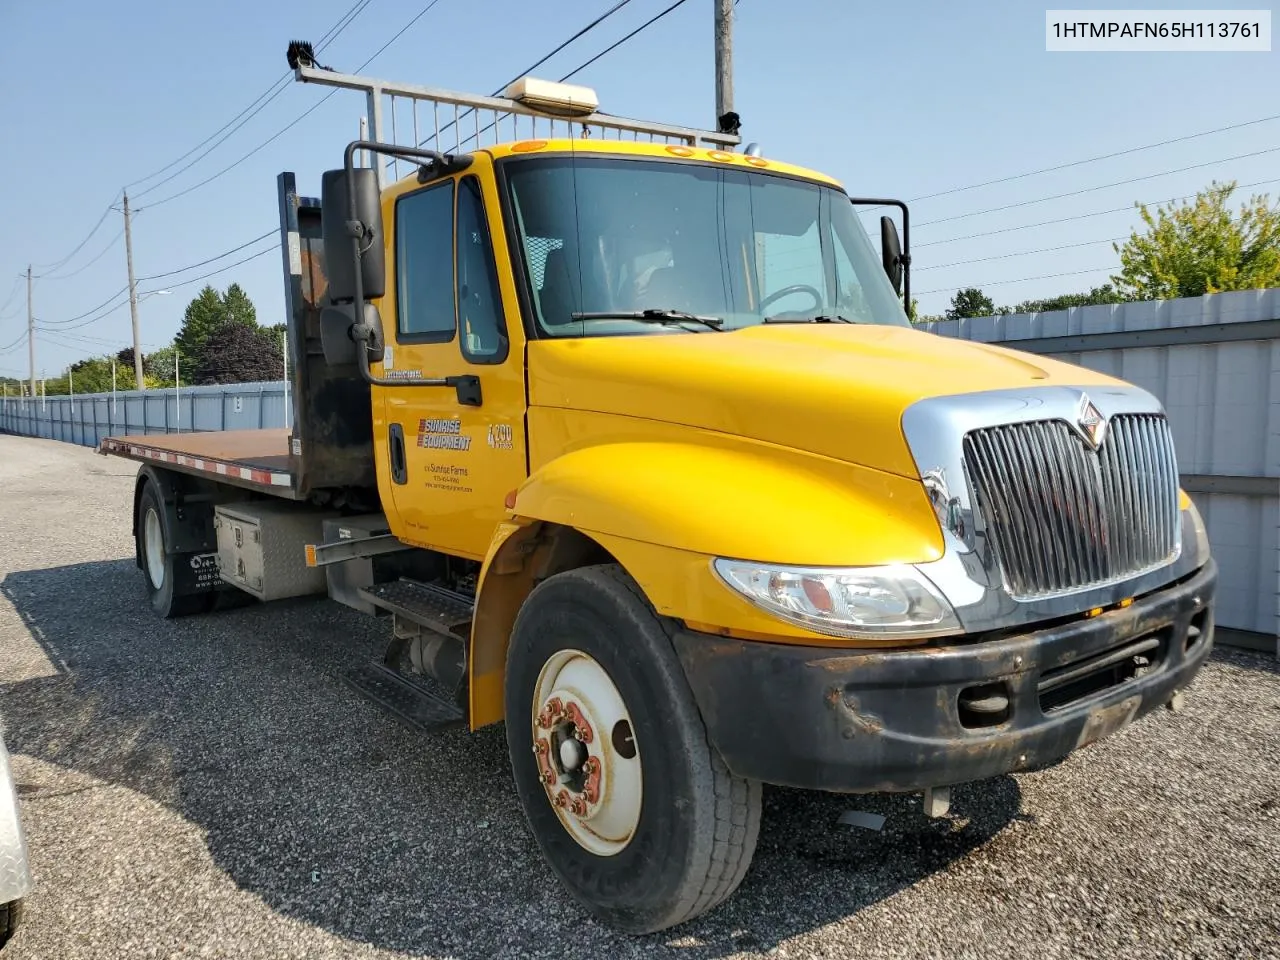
(651, 316)
(822, 318)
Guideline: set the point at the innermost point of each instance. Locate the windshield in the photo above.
(606, 236)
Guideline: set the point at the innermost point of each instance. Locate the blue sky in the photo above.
(904, 100)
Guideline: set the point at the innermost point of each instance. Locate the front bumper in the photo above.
(904, 720)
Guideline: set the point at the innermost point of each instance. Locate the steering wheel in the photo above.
(794, 288)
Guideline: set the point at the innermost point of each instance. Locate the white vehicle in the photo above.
(15, 877)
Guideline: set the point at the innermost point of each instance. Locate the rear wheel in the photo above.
(632, 807)
(169, 597)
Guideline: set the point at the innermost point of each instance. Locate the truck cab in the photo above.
(694, 508)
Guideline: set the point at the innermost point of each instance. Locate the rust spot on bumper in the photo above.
(852, 721)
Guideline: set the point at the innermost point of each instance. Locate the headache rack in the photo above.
(452, 122)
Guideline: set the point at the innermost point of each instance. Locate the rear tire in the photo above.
(159, 563)
(10, 915)
(663, 842)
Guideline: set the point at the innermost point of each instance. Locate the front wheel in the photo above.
(632, 807)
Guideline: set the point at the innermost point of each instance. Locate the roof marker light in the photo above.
(558, 99)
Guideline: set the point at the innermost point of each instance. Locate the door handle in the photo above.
(399, 471)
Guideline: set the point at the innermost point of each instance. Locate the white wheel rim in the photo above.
(153, 544)
(586, 751)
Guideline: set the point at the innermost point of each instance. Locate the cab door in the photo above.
(456, 451)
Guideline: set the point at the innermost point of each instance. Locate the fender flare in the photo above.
(768, 504)
(187, 516)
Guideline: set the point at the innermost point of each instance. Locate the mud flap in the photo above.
(196, 573)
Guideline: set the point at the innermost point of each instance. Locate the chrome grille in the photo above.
(1062, 516)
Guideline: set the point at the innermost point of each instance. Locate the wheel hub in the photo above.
(153, 547)
(579, 720)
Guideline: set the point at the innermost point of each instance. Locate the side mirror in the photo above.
(337, 188)
(340, 348)
(890, 252)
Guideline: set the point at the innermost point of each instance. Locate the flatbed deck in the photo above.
(254, 459)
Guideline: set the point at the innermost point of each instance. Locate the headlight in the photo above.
(892, 601)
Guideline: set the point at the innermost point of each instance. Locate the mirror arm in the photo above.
(905, 259)
(467, 386)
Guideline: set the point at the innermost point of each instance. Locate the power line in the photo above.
(225, 253)
(289, 126)
(581, 33)
(104, 341)
(248, 113)
(214, 273)
(1104, 156)
(1043, 276)
(80, 246)
(529, 69)
(85, 266)
(1105, 186)
(1077, 216)
(330, 37)
(122, 290)
(401, 32)
(159, 276)
(17, 344)
(277, 88)
(614, 46)
(17, 283)
(1020, 253)
(576, 70)
(182, 283)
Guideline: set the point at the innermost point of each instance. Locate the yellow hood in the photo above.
(837, 390)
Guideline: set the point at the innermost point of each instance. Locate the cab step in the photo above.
(409, 702)
(435, 608)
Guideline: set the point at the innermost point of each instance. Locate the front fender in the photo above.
(740, 499)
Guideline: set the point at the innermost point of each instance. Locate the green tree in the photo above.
(92, 375)
(970, 302)
(237, 353)
(1103, 294)
(157, 367)
(205, 314)
(239, 307)
(1191, 249)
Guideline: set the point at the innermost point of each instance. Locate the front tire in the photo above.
(159, 563)
(632, 807)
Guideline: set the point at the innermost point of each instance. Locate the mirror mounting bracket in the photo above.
(904, 258)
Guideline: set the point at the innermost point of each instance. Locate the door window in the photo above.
(424, 265)
(484, 338)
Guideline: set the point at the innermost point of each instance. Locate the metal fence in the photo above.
(1214, 362)
(87, 418)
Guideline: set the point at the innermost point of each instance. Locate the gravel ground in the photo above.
(208, 787)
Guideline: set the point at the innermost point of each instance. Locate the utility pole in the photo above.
(726, 119)
(133, 297)
(31, 336)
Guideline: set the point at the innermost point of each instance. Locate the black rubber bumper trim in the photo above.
(870, 721)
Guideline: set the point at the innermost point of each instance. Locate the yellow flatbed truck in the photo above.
(636, 447)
